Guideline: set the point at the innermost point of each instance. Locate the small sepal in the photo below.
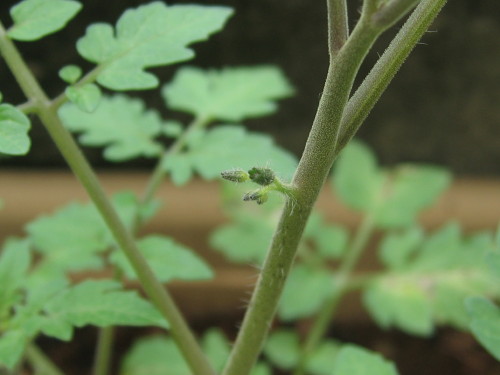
(235, 175)
(262, 176)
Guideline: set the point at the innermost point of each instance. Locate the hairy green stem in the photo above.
(67, 146)
(311, 172)
(338, 27)
(40, 362)
(376, 82)
(392, 11)
(341, 285)
(320, 151)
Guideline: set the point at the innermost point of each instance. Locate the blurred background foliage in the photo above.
(443, 107)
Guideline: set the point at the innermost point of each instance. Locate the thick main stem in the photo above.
(67, 146)
(317, 159)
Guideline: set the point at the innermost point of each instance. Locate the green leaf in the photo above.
(216, 347)
(330, 240)
(230, 94)
(401, 303)
(173, 129)
(485, 323)
(14, 127)
(353, 360)
(85, 97)
(33, 19)
(70, 73)
(150, 35)
(261, 369)
(119, 123)
(180, 168)
(15, 260)
(156, 355)
(304, 293)
(411, 189)
(245, 240)
(100, 303)
(322, 359)
(227, 147)
(168, 260)
(12, 346)
(283, 349)
(397, 247)
(356, 178)
(70, 238)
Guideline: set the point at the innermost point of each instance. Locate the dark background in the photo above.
(443, 107)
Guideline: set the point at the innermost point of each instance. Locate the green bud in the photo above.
(257, 196)
(261, 176)
(235, 175)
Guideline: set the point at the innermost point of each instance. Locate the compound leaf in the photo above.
(147, 36)
(14, 127)
(354, 360)
(321, 360)
(119, 123)
(397, 247)
(485, 323)
(304, 293)
(230, 94)
(33, 19)
(156, 355)
(100, 303)
(283, 349)
(168, 260)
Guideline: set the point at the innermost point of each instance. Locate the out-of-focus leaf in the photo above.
(99, 303)
(150, 35)
(231, 94)
(354, 360)
(12, 346)
(121, 124)
(33, 19)
(409, 190)
(156, 355)
(305, 291)
(85, 97)
(14, 127)
(283, 349)
(396, 248)
(485, 323)
(14, 263)
(168, 260)
(227, 147)
(70, 73)
(356, 178)
(244, 241)
(322, 359)
(330, 240)
(216, 347)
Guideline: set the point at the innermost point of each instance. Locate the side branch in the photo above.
(338, 26)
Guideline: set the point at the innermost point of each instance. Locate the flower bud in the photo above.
(261, 176)
(235, 175)
(257, 196)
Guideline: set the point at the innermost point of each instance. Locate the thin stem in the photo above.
(341, 285)
(391, 12)
(106, 334)
(311, 172)
(376, 82)
(159, 171)
(40, 362)
(67, 146)
(102, 362)
(338, 27)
